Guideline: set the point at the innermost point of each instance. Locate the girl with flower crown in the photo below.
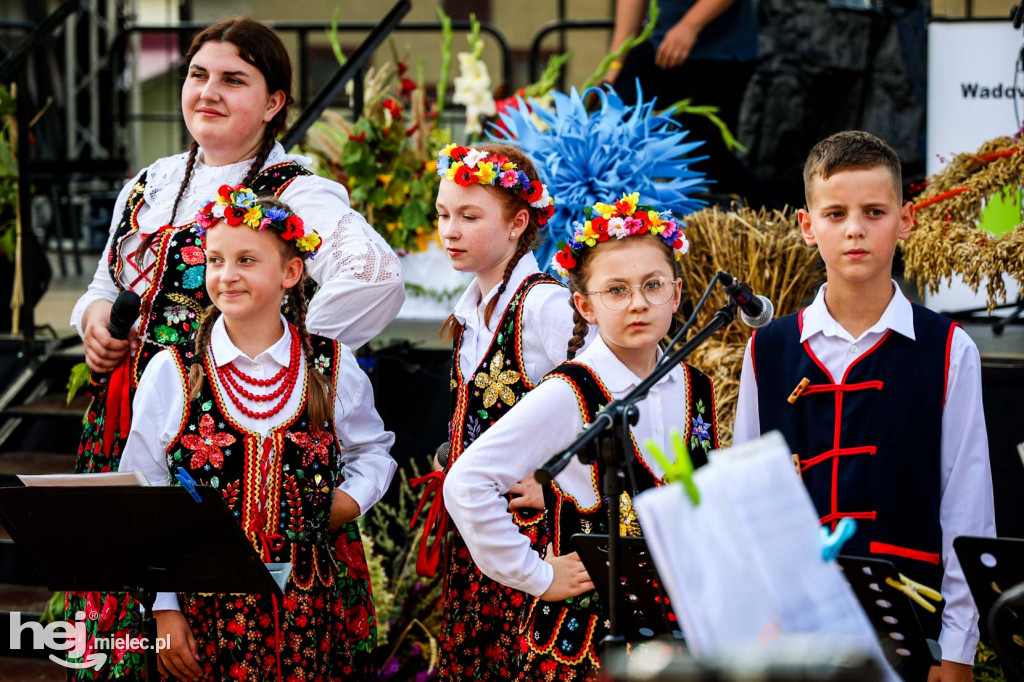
(623, 270)
(509, 328)
(282, 423)
(235, 101)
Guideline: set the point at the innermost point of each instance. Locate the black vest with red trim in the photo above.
(175, 301)
(279, 487)
(571, 631)
(870, 446)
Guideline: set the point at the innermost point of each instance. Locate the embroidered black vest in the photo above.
(869, 444)
(280, 488)
(500, 380)
(571, 631)
(174, 303)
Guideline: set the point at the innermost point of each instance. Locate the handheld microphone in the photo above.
(122, 316)
(755, 311)
(123, 313)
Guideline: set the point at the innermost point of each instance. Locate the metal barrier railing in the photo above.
(561, 26)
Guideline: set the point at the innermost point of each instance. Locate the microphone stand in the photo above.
(605, 440)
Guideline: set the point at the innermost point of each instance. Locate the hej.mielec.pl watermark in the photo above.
(71, 638)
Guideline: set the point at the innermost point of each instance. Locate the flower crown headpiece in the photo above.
(625, 218)
(239, 205)
(466, 166)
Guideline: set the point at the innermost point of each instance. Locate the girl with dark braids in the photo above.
(623, 271)
(281, 422)
(509, 328)
(234, 99)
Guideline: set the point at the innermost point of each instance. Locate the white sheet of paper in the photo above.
(744, 567)
(115, 478)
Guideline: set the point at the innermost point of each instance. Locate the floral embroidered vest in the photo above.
(571, 631)
(280, 488)
(481, 399)
(500, 380)
(175, 300)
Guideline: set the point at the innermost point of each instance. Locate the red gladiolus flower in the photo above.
(361, 137)
(293, 228)
(394, 107)
(464, 176)
(408, 85)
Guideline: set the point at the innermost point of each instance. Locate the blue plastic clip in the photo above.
(832, 543)
(188, 483)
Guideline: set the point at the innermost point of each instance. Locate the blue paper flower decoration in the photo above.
(586, 157)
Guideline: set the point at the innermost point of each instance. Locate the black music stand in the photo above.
(991, 566)
(176, 544)
(643, 601)
(893, 616)
(994, 568)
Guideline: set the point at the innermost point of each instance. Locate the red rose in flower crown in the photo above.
(240, 206)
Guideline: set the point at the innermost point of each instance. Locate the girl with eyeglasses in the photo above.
(623, 271)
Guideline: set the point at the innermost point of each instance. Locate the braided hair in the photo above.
(527, 240)
(320, 391)
(259, 46)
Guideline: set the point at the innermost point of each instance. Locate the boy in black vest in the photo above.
(880, 399)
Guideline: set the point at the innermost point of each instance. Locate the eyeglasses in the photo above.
(618, 295)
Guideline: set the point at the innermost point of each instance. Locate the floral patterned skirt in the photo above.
(481, 631)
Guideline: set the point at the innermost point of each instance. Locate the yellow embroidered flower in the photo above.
(496, 382)
(606, 210)
(253, 216)
(485, 172)
(629, 524)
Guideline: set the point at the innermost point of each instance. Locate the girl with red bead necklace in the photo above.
(282, 423)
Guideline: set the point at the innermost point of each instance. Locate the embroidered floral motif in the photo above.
(313, 447)
(321, 364)
(194, 277)
(175, 314)
(207, 445)
(496, 382)
(193, 255)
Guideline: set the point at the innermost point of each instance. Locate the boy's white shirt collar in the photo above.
(224, 351)
(898, 316)
(616, 377)
(470, 301)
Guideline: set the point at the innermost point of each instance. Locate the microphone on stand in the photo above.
(122, 316)
(755, 311)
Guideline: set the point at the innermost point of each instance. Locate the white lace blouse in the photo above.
(360, 277)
